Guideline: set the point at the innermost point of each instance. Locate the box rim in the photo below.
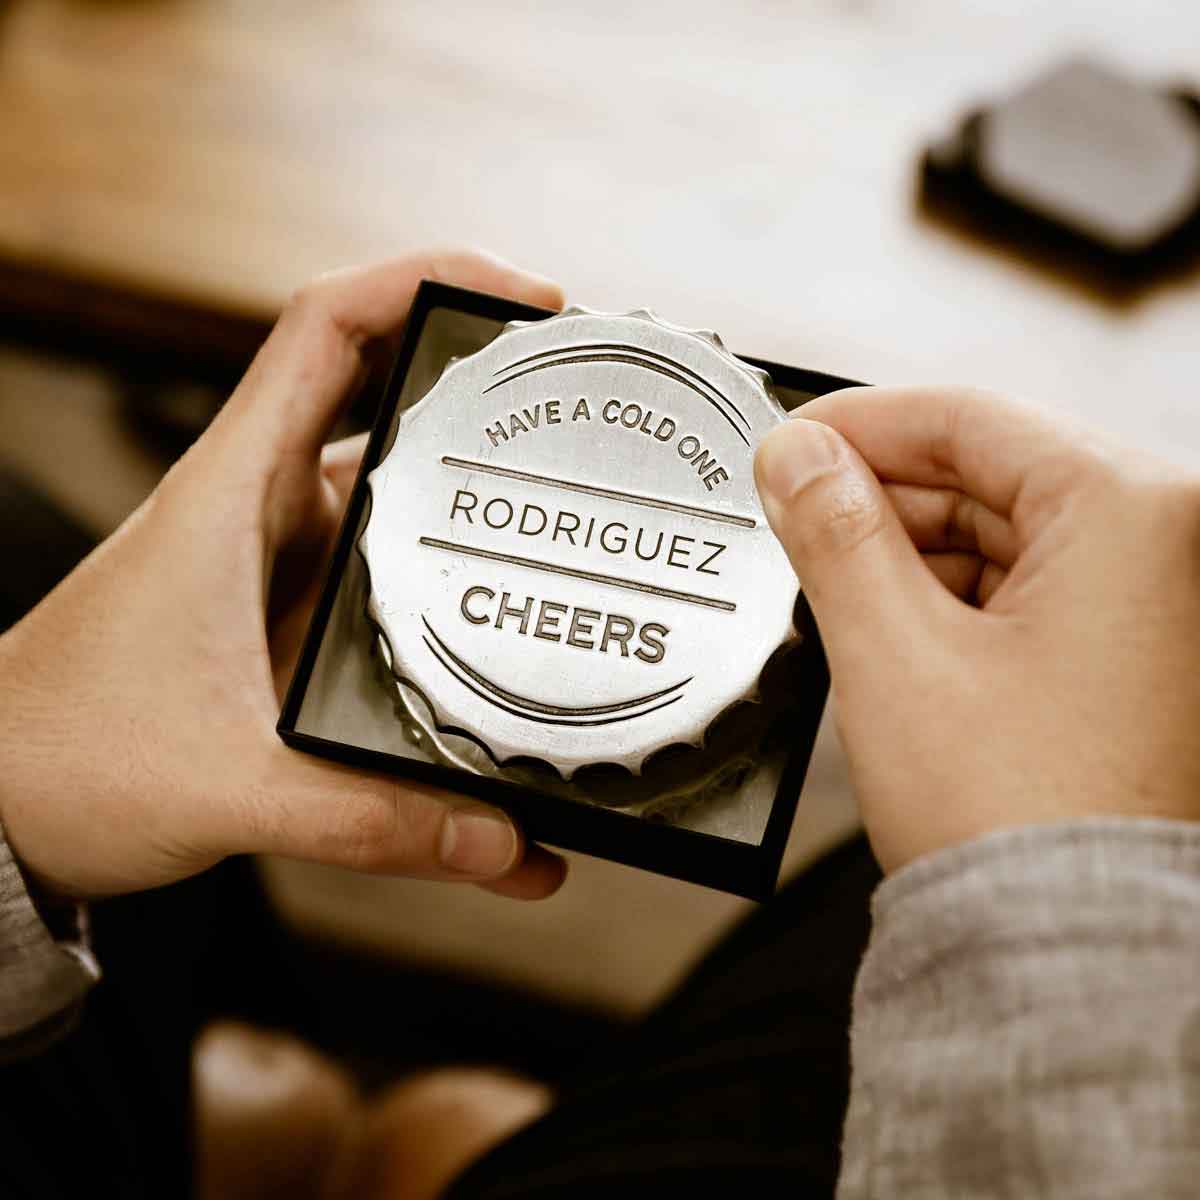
(742, 868)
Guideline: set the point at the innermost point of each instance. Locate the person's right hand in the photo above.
(1010, 606)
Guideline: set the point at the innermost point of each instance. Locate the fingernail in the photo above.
(478, 842)
(791, 455)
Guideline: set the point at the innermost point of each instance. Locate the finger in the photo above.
(313, 360)
(970, 577)
(958, 571)
(328, 813)
(989, 583)
(991, 449)
(540, 874)
(858, 567)
(339, 464)
(939, 519)
(298, 578)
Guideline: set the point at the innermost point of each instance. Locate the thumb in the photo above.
(329, 813)
(859, 570)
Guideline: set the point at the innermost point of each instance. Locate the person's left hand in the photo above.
(138, 701)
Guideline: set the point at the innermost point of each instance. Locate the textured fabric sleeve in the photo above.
(1027, 1020)
(43, 975)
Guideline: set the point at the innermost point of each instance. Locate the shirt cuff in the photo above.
(1035, 886)
(43, 977)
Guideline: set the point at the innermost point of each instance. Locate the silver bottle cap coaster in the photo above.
(568, 560)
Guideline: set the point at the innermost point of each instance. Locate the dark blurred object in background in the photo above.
(40, 544)
(176, 359)
(1085, 169)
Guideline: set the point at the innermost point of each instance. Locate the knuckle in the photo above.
(385, 831)
(307, 298)
(958, 407)
(960, 526)
(970, 398)
(948, 432)
(1070, 480)
(315, 304)
(444, 264)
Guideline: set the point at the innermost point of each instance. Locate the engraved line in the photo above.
(543, 720)
(626, 347)
(534, 564)
(635, 358)
(587, 489)
(633, 362)
(554, 710)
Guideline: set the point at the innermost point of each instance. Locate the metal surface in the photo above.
(568, 561)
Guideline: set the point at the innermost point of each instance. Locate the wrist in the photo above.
(46, 963)
(23, 769)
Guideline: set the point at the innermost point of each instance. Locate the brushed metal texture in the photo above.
(568, 561)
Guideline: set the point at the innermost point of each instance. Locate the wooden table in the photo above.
(747, 167)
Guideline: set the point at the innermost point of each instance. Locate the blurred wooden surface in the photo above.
(745, 167)
(742, 166)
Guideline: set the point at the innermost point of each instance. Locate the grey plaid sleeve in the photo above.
(1027, 1019)
(43, 977)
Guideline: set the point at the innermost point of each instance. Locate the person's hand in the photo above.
(1010, 606)
(138, 701)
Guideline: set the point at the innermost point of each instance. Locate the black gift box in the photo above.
(339, 705)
